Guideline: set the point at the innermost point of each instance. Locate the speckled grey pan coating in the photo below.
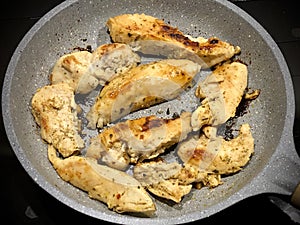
(274, 167)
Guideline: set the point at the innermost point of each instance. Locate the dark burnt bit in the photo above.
(178, 37)
(243, 107)
(118, 196)
(184, 40)
(191, 43)
(166, 28)
(213, 41)
(199, 154)
(87, 48)
(227, 129)
(151, 123)
(240, 61)
(175, 34)
(168, 111)
(175, 115)
(210, 44)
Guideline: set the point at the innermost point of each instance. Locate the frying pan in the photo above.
(275, 166)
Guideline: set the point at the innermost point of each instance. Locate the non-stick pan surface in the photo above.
(275, 166)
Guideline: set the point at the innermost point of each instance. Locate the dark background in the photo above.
(24, 202)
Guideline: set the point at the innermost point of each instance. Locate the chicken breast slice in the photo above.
(205, 159)
(73, 69)
(141, 87)
(151, 35)
(120, 191)
(109, 60)
(215, 154)
(54, 110)
(84, 70)
(135, 140)
(191, 174)
(171, 180)
(160, 178)
(220, 94)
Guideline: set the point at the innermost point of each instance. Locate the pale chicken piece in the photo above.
(109, 60)
(84, 70)
(160, 178)
(141, 87)
(215, 154)
(151, 35)
(120, 191)
(221, 92)
(135, 140)
(54, 110)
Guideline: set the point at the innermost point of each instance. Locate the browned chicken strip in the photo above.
(221, 92)
(139, 139)
(151, 35)
(205, 159)
(214, 154)
(54, 110)
(191, 174)
(120, 191)
(171, 180)
(84, 70)
(141, 87)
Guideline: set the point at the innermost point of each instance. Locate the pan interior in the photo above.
(82, 23)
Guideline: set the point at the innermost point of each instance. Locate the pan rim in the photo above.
(290, 113)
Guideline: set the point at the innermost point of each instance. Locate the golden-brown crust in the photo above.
(138, 88)
(221, 92)
(135, 140)
(71, 68)
(129, 28)
(216, 155)
(120, 191)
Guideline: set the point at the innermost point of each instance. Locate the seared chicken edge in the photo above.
(151, 35)
(205, 160)
(136, 140)
(216, 155)
(54, 110)
(220, 94)
(120, 191)
(141, 87)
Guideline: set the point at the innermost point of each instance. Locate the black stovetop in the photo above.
(24, 202)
